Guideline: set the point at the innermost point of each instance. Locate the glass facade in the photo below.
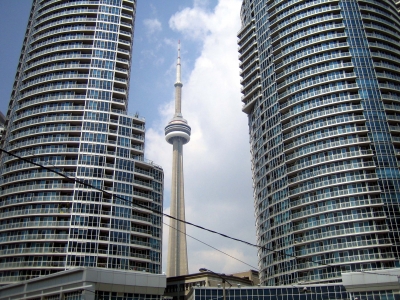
(293, 293)
(322, 94)
(125, 296)
(2, 121)
(68, 111)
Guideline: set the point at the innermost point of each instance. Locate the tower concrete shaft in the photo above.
(177, 249)
(177, 133)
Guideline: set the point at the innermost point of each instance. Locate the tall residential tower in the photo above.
(68, 111)
(321, 90)
(177, 133)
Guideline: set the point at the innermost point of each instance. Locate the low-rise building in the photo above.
(88, 284)
(178, 287)
(252, 275)
(367, 285)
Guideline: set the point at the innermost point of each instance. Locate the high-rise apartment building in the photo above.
(68, 111)
(321, 90)
(2, 121)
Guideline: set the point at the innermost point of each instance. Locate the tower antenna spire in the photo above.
(178, 65)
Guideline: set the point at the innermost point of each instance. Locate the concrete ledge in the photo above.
(88, 281)
(374, 280)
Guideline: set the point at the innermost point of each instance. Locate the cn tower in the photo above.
(177, 133)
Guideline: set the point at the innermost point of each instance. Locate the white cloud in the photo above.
(152, 55)
(153, 9)
(152, 26)
(170, 42)
(218, 189)
(192, 22)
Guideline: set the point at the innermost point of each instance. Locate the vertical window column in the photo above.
(384, 152)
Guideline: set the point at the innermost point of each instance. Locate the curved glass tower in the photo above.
(321, 90)
(68, 111)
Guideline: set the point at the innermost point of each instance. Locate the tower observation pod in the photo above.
(177, 133)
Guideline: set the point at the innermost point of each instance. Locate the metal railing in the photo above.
(337, 206)
(306, 23)
(312, 71)
(343, 218)
(324, 135)
(327, 145)
(330, 122)
(316, 93)
(57, 67)
(298, 87)
(333, 157)
(339, 168)
(335, 181)
(312, 61)
(345, 192)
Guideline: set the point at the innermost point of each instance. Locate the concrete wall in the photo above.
(88, 281)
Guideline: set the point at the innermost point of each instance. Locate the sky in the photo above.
(218, 185)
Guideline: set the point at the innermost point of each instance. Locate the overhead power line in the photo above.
(210, 246)
(75, 180)
(171, 217)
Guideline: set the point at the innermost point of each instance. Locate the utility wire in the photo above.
(210, 246)
(84, 183)
(120, 198)
(171, 217)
